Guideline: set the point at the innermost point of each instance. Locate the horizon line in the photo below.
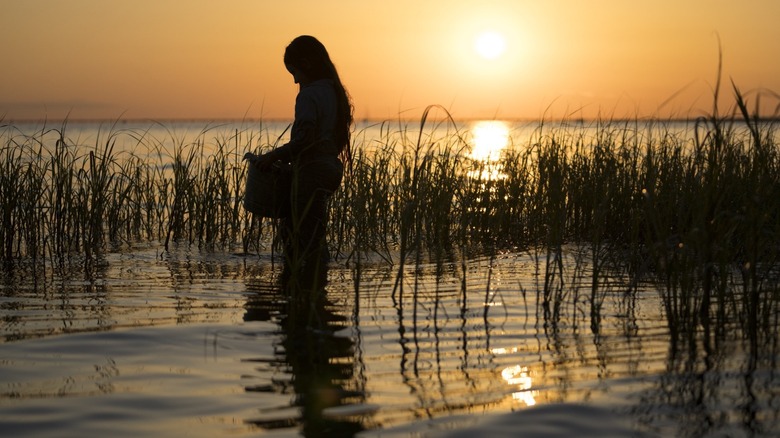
(10, 121)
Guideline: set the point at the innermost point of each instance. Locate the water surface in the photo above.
(203, 344)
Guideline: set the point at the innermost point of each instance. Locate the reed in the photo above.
(696, 211)
(67, 202)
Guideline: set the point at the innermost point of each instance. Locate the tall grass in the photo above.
(696, 210)
(67, 202)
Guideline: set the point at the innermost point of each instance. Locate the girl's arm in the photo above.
(302, 134)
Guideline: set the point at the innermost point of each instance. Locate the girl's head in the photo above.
(308, 56)
(308, 60)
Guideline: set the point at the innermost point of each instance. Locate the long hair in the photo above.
(310, 56)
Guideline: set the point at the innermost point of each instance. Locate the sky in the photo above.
(198, 59)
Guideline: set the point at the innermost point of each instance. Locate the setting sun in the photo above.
(490, 45)
(482, 60)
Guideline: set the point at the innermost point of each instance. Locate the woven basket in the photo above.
(268, 191)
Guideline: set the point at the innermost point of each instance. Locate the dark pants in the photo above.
(305, 246)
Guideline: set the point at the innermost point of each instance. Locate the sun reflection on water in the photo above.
(519, 376)
(489, 138)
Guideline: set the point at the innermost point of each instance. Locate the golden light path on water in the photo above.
(519, 376)
(489, 138)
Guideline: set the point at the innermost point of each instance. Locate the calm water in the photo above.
(191, 342)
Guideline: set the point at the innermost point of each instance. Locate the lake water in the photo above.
(486, 137)
(196, 342)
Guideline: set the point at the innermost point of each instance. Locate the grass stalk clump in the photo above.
(67, 202)
(696, 208)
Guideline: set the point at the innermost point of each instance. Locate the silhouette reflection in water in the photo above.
(320, 363)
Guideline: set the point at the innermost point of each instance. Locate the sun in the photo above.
(490, 44)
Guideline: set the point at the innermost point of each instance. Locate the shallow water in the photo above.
(201, 343)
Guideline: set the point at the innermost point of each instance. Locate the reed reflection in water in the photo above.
(459, 345)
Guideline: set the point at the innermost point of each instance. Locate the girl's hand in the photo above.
(265, 161)
(250, 157)
(262, 162)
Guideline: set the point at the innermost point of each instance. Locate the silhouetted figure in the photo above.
(319, 147)
(321, 378)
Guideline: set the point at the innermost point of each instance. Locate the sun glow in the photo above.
(490, 45)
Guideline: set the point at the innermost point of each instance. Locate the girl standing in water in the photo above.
(318, 148)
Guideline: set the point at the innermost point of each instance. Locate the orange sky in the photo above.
(164, 59)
